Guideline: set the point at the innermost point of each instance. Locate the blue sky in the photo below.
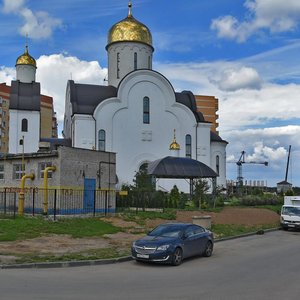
(244, 52)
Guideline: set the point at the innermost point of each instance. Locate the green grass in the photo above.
(22, 228)
(224, 230)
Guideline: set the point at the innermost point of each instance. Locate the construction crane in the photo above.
(240, 162)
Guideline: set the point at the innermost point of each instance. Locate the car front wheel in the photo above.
(177, 257)
(208, 249)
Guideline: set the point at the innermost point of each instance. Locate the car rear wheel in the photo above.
(177, 257)
(208, 249)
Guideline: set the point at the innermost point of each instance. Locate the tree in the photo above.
(201, 187)
(142, 180)
(174, 196)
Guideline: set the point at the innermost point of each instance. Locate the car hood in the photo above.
(155, 241)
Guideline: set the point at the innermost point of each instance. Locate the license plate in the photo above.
(142, 255)
(291, 225)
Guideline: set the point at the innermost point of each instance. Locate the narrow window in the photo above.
(149, 62)
(24, 125)
(146, 110)
(118, 65)
(135, 61)
(188, 146)
(18, 171)
(101, 140)
(1, 171)
(217, 164)
(43, 166)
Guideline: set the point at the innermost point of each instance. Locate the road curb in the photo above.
(82, 263)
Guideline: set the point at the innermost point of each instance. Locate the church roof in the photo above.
(26, 59)
(180, 167)
(129, 30)
(216, 138)
(86, 97)
(25, 96)
(187, 98)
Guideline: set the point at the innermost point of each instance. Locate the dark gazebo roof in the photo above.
(180, 167)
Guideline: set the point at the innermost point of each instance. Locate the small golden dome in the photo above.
(26, 59)
(174, 145)
(129, 29)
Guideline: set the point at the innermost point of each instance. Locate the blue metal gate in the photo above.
(89, 194)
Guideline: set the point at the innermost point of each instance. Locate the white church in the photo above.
(138, 115)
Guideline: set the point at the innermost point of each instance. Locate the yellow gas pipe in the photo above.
(21, 194)
(46, 171)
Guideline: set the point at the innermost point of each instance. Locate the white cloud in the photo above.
(10, 6)
(272, 15)
(243, 78)
(7, 75)
(37, 25)
(55, 70)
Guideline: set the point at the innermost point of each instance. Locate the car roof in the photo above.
(177, 224)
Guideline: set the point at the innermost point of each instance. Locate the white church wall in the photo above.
(67, 132)
(84, 127)
(121, 60)
(219, 149)
(133, 141)
(203, 143)
(26, 73)
(31, 136)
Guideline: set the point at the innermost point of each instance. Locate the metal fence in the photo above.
(58, 201)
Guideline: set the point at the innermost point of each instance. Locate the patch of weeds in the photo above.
(225, 230)
(96, 254)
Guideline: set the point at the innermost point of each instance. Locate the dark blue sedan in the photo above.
(173, 242)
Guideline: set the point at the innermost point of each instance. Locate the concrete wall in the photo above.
(73, 166)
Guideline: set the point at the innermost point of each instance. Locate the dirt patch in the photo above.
(63, 244)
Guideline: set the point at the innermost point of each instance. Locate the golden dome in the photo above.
(26, 59)
(174, 145)
(129, 29)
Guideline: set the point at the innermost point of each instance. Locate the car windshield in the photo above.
(291, 210)
(167, 231)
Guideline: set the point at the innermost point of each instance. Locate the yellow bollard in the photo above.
(22, 195)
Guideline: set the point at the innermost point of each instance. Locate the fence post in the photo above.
(4, 200)
(15, 204)
(94, 213)
(54, 208)
(106, 203)
(33, 202)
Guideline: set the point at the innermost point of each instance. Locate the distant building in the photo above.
(208, 106)
(283, 186)
(25, 114)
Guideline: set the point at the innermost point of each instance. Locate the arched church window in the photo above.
(188, 146)
(24, 125)
(118, 65)
(217, 164)
(135, 61)
(101, 140)
(146, 110)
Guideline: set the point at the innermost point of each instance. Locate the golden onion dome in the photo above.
(129, 30)
(174, 145)
(26, 59)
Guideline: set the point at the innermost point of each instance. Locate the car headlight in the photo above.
(163, 247)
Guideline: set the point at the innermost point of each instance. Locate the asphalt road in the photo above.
(256, 267)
